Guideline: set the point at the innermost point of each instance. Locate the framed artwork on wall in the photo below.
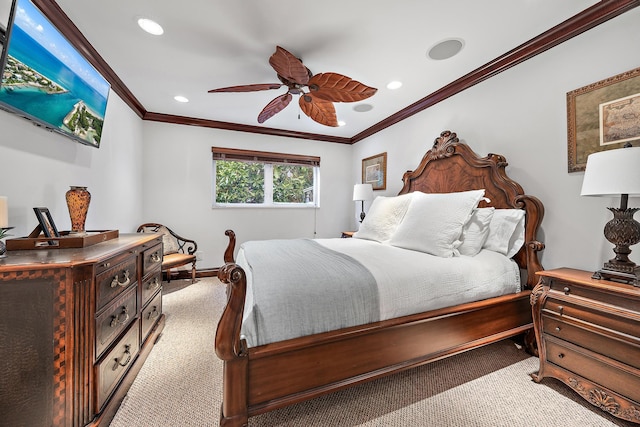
(374, 171)
(601, 116)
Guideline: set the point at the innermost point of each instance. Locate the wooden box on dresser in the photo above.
(75, 328)
(588, 334)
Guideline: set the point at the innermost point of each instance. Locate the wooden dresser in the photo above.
(75, 328)
(588, 334)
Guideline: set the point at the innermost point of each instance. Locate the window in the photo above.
(257, 178)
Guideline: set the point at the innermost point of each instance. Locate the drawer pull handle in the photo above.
(560, 308)
(106, 265)
(561, 356)
(153, 285)
(116, 281)
(155, 257)
(558, 328)
(126, 361)
(566, 290)
(121, 318)
(153, 314)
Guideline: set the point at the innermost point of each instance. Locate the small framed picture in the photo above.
(46, 222)
(374, 171)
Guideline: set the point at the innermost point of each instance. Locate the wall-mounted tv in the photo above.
(46, 80)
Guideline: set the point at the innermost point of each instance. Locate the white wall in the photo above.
(521, 114)
(178, 189)
(39, 166)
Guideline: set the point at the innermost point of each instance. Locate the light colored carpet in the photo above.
(180, 384)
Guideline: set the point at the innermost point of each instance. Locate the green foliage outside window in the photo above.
(239, 182)
(292, 184)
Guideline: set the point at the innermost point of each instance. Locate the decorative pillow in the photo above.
(433, 222)
(475, 231)
(506, 232)
(169, 243)
(383, 218)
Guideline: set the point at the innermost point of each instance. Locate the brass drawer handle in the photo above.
(153, 285)
(153, 313)
(566, 290)
(155, 257)
(116, 281)
(560, 308)
(561, 356)
(121, 318)
(127, 353)
(558, 328)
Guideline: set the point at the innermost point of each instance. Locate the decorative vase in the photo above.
(78, 199)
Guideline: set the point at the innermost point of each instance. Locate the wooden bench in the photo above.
(177, 250)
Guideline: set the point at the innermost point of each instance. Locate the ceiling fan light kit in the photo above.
(322, 90)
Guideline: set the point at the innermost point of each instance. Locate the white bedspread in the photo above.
(410, 282)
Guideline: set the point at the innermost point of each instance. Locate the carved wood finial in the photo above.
(444, 138)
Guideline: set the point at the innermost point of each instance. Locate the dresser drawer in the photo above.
(114, 280)
(619, 347)
(150, 286)
(115, 364)
(620, 320)
(114, 319)
(151, 259)
(614, 376)
(151, 314)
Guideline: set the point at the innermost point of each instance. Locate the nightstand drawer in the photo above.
(604, 341)
(568, 288)
(614, 376)
(592, 312)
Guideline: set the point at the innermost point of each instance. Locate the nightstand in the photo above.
(347, 234)
(588, 334)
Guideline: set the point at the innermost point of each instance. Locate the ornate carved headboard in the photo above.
(451, 166)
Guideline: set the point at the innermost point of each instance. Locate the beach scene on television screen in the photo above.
(45, 77)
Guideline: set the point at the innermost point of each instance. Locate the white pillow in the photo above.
(433, 222)
(506, 232)
(383, 218)
(475, 231)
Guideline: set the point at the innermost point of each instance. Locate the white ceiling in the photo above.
(215, 43)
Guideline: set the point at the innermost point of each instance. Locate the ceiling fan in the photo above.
(322, 90)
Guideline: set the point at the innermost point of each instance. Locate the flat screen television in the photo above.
(45, 79)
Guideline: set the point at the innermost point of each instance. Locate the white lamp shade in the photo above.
(612, 172)
(362, 192)
(4, 213)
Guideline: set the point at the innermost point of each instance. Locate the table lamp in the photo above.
(362, 192)
(612, 173)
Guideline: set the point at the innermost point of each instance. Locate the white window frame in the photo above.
(268, 160)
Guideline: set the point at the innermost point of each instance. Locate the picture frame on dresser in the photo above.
(590, 125)
(45, 220)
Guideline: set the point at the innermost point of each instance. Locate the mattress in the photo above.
(297, 288)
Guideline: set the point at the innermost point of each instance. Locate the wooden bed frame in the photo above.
(263, 378)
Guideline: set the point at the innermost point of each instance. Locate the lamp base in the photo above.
(631, 277)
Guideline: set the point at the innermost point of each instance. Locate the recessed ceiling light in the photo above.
(151, 27)
(445, 49)
(180, 98)
(394, 85)
(362, 108)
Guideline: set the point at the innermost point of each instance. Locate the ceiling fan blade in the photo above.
(319, 110)
(248, 88)
(289, 67)
(274, 107)
(338, 88)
